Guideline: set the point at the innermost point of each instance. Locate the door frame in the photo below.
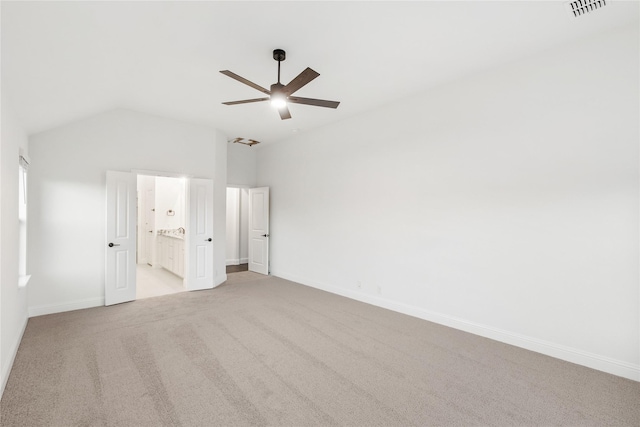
(145, 241)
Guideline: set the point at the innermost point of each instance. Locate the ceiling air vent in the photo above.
(582, 7)
(249, 142)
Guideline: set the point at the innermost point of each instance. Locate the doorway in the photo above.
(122, 230)
(161, 223)
(247, 221)
(237, 221)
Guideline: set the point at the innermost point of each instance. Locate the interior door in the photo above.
(199, 271)
(120, 275)
(259, 230)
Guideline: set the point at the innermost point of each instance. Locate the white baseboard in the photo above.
(13, 351)
(569, 354)
(41, 310)
(237, 261)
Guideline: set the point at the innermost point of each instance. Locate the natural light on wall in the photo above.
(23, 167)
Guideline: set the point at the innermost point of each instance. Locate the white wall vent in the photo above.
(579, 8)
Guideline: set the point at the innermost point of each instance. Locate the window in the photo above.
(23, 167)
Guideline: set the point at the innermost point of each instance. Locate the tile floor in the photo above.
(153, 282)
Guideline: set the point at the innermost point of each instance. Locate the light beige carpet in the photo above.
(264, 351)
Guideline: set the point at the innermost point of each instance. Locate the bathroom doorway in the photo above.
(161, 222)
(197, 263)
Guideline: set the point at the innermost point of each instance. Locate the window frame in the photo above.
(23, 182)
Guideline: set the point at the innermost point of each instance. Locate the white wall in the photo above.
(233, 226)
(241, 165)
(67, 196)
(13, 299)
(170, 195)
(505, 204)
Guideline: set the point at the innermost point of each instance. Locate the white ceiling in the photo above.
(64, 61)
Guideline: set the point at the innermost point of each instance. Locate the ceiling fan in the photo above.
(280, 94)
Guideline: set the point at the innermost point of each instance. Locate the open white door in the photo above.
(259, 230)
(120, 277)
(199, 271)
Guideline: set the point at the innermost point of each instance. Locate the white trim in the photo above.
(220, 279)
(237, 261)
(160, 173)
(6, 369)
(23, 281)
(23, 156)
(569, 354)
(42, 310)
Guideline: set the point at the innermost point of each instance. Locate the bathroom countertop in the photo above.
(171, 233)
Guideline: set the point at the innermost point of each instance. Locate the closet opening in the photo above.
(237, 242)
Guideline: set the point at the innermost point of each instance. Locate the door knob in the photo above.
(113, 244)
(265, 235)
(209, 239)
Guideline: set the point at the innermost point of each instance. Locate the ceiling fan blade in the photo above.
(302, 79)
(245, 81)
(284, 113)
(245, 101)
(311, 101)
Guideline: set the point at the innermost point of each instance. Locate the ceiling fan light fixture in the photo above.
(278, 101)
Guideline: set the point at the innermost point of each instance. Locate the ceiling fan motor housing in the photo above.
(276, 87)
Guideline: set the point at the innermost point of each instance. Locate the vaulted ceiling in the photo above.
(64, 61)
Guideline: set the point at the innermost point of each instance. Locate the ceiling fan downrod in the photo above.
(279, 55)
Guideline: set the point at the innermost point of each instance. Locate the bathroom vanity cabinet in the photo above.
(171, 254)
